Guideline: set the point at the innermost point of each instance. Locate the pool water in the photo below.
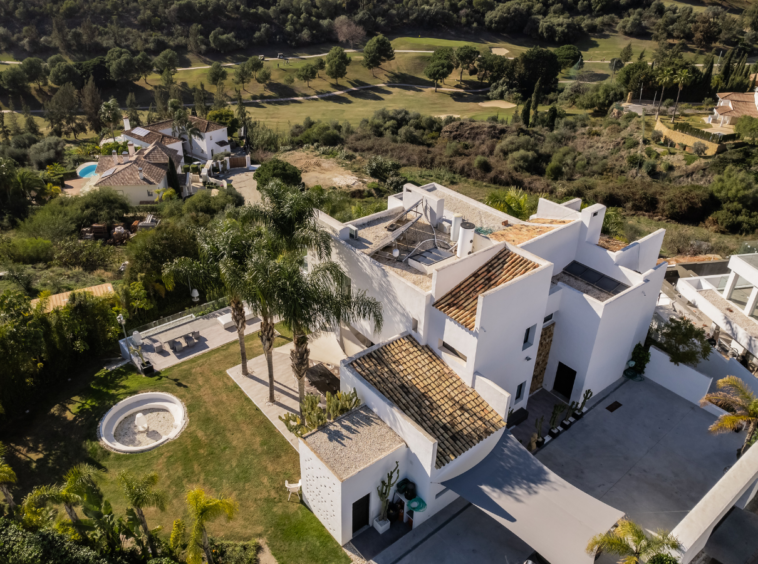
(87, 171)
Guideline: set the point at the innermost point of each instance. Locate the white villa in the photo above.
(733, 105)
(481, 310)
(137, 175)
(213, 137)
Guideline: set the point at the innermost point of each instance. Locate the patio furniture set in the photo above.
(177, 344)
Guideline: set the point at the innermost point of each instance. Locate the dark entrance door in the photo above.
(564, 381)
(360, 513)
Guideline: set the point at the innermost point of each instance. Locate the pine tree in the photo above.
(29, 124)
(536, 97)
(91, 103)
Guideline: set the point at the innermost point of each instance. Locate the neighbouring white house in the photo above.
(733, 105)
(137, 174)
(481, 310)
(213, 138)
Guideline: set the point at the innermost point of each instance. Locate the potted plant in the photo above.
(579, 413)
(145, 366)
(554, 429)
(538, 425)
(568, 421)
(381, 523)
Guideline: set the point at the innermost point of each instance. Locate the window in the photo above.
(444, 347)
(547, 319)
(150, 193)
(529, 337)
(520, 391)
(414, 324)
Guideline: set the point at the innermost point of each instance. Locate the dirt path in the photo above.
(318, 171)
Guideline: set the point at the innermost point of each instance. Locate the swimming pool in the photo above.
(87, 171)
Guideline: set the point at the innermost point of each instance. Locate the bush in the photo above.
(640, 356)
(88, 255)
(649, 167)
(330, 138)
(554, 171)
(630, 143)
(634, 159)
(33, 250)
(482, 164)
(663, 559)
(18, 546)
(656, 136)
(522, 160)
(381, 168)
(279, 169)
(699, 148)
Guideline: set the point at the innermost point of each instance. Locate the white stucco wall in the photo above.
(558, 246)
(322, 491)
(683, 380)
(137, 194)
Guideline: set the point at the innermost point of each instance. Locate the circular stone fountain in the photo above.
(142, 422)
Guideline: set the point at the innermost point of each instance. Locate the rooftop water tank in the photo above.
(466, 239)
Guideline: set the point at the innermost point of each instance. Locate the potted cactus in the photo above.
(381, 523)
(581, 410)
(555, 430)
(538, 426)
(569, 420)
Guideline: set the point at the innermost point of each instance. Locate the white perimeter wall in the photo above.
(558, 246)
(683, 380)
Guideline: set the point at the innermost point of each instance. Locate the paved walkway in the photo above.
(285, 389)
(243, 181)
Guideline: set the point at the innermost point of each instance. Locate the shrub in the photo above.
(649, 167)
(330, 138)
(656, 136)
(89, 255)
(699, 148)
(276, 168)
(31, 250)
(185, 168)
(381, 167)
(522, 160)
(634, 159)
(18, 546)
(689, 159)
(554, 171)
(482, 164)
(651, 153)
(663, 559)
(640, 356)
(630, 143)
(195, 169)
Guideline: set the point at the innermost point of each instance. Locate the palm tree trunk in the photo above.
(71, 512)
(658, 110)
(299, 357)
(207, 548)
(267, 337)
(8, 498)
(238, 316)
(751, 429)
(677, 104)
(150, 540)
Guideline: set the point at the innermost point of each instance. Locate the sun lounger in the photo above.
(178, 345)
(190, 341)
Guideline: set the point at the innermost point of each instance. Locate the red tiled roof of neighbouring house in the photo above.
(737, 96)
(460, 303)
(202, 124)
(428, 391)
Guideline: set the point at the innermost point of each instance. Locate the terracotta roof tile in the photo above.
(520, 233)
(153, 161)
(460, 303)
(737, 96)
(153, 137)
(431, 394)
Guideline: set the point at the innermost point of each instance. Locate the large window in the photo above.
(529, 337)
(444, 347)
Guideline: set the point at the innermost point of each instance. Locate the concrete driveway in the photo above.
(243, 182)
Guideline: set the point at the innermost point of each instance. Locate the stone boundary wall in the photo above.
(689, 140)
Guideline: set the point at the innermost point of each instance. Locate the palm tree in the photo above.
(225, 247)
(183, 127)
(513, 201)
(741, 405)
(110, 115)
(140, 492)
(30, 183)
(318, 301)
(682, 79)
(665, 79)
(290, 220)
(630, 542)
(7, 477)
(78, 484)
(203, 510)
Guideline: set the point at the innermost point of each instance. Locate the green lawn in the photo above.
(229, 448)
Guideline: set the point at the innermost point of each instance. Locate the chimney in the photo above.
(125, 157)
(141, 176)
(127, 126)
(130, 146)
(115, 157)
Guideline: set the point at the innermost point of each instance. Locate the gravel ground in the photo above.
(160, 423)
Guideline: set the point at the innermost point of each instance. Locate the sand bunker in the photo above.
(497, 104)
(499, 51)
(443, 116)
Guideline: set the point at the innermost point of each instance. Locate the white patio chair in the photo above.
(292, 489)
(158, 347)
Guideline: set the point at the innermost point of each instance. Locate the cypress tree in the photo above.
(526, 111)
(707, 78)
(536, 96)
(552, 114)
(726, 68)
(172, 179)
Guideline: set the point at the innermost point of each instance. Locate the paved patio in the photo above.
(540, 404)
(212, 335)
(243, 182)
(652, 457)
